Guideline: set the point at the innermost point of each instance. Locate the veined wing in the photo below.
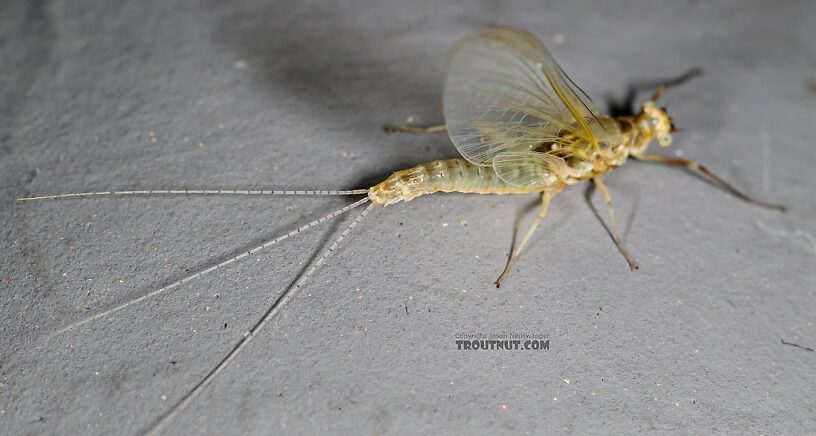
(505, 93)
(530, 169)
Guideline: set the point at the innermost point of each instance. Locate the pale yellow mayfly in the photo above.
(522, 127)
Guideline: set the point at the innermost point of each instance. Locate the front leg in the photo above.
(705, 172)
(679, 80)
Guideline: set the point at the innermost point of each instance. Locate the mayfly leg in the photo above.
(546, 196)
(614, 222)
(410, 128)
(677, 81)
(705, 172)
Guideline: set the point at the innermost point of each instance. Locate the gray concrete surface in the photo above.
(257, 94)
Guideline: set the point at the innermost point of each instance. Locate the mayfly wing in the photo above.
(530, 169)
(504, 92)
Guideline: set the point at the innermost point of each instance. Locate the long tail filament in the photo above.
(270, 313)
(210, 269)
(192, 192)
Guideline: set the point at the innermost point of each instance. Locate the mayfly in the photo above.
(521, 125)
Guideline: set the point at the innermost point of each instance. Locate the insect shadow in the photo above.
(341, 77)
(626, 106)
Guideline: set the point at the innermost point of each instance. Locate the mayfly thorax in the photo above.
(521, 125)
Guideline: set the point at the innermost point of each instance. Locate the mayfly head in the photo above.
(656, 123)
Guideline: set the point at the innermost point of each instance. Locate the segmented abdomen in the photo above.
(452, 175)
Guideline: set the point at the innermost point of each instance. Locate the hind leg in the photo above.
(409, 128)
(545, 204)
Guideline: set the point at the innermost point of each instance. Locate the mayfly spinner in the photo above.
(521, 125)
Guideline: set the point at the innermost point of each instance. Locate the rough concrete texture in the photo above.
(280, 95)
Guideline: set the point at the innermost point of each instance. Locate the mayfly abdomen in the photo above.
(451, 175)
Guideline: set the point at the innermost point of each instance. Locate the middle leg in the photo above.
(410, 128)
(614, 222)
